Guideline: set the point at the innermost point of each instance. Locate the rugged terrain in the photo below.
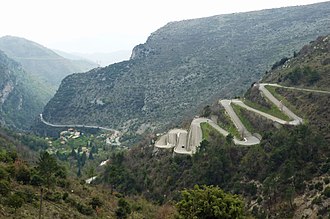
(22, 97)
(286, 175)
(184, 66)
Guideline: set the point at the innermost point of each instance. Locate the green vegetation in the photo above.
(273, 91)
(206, 129)
(309, 68)
(239, 112)
(209, 202)
(21, 185)
(168, 79)
(225, 122)
(269, 175)
(22, 97)
(298, 75)
(271, 169)
(274, 111)
(47, 168)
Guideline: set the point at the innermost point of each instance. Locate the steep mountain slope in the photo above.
(41, 62)
(21, 96)
(287, 175)
(185, 65)
(309, 69)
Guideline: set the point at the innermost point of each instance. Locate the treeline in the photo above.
(275, 164)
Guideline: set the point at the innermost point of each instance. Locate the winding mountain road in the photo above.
(195, 134)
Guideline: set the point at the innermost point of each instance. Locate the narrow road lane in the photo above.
(116, 132)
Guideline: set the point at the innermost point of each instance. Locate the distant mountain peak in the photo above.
(40, 61)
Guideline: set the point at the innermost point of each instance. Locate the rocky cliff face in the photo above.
(21, 97)
(185, 65)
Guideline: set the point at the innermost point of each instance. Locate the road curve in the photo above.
(195, 137)
(249, 139)
(195, 133)
(296, 120)
(273, 118)
(118, 133)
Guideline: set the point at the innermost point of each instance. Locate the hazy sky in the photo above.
(109, 25)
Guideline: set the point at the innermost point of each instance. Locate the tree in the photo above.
(47, 167)
(209, 202)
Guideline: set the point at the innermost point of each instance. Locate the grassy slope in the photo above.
(274, 111)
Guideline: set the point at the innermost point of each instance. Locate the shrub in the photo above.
(63, 183)
(96, 202)
(65, 196)
(4, 187)
(209, 202)
(54, 197)
(23, 175)
(15, 201)
(86, 210)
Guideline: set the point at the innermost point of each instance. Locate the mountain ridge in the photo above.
(285, 175)
(40, 61)
(185, 65)
(22, 96)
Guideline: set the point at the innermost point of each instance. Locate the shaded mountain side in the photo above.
(40, 61)
(185, 65)
(22, 97)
